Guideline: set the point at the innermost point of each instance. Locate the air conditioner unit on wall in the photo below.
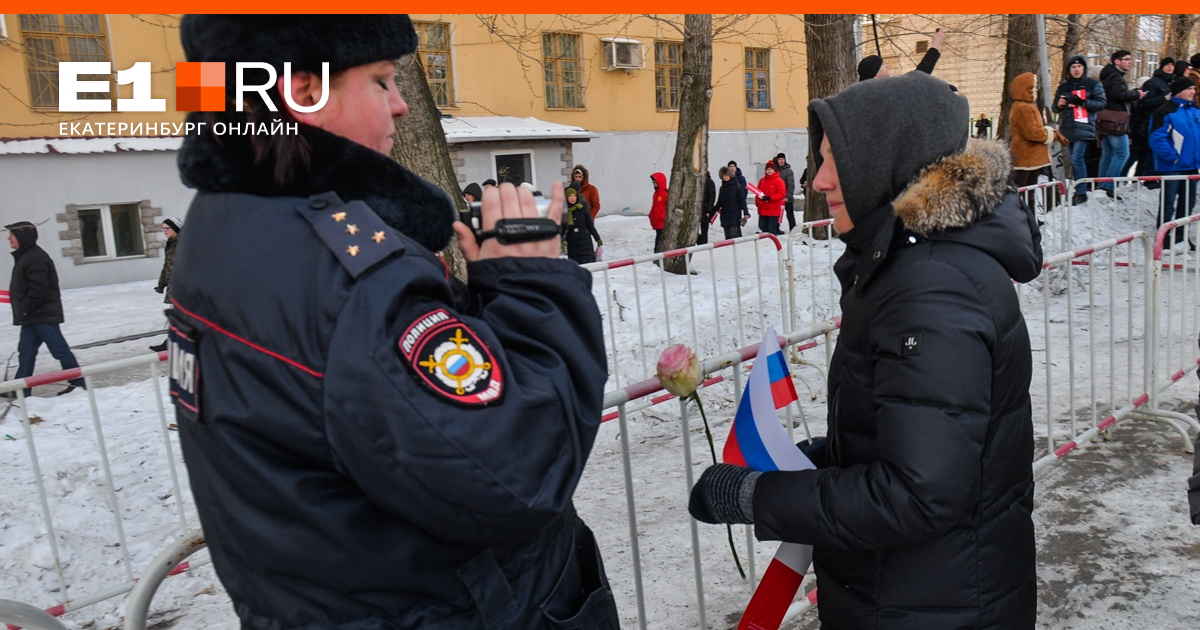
(623, 54)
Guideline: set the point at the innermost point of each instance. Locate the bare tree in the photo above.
(690, 163)
(1178, 36)
(421, 146)
(829, 40)
(1072, 43)
(1129, 37)
(1021, 56)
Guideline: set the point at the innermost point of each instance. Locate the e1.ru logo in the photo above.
(199, 87)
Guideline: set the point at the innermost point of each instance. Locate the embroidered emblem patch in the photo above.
(448, 357)
(910, 344)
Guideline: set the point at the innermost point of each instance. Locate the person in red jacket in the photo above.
(658, 207)
(770, 202)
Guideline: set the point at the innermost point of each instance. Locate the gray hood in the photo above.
(884, 131)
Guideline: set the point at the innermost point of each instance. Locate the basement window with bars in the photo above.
(50, 39)
(111, 231)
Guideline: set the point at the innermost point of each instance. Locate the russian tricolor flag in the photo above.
(759, 441)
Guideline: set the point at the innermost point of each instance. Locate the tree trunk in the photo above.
(1020, 57)
(421, 146)
(1129, 39)
(688, 168)
(829, 44)
(1178, 34)
(1072, 44)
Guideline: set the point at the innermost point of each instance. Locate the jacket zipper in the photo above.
(833, 429)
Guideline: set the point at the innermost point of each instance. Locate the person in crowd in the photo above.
(1175, 140)
(1076, 101)
(770, 202)
(37, 306)
(789, 181)
(1114, 141)
(579, 230)
(658, 207)
(873, 66)
(1182, 67)
(920, 508)
(707, 212)
(1191, 70)
(489, 182)
(983, 126)
(1158, 90)
(731, 204)
(370, 442)
(740, 179)
(581, 182)
(472, 193)
(171, 228)
(1029, 139)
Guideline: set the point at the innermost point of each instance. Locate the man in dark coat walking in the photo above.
(920, 508)
(36, 304)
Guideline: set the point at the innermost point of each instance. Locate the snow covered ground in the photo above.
(1115, 546)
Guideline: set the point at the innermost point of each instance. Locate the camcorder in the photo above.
(511, 231)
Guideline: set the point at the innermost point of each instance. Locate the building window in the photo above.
(1151, 65)
(434, 54)
(514, 168)
(560, 56)
(49, 39)
(923, 46)
(111, 231)
(668, 74)
(758, 78)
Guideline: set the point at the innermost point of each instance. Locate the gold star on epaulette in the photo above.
(352, 250)
(351, 228)
(378, 238)
(339, 216)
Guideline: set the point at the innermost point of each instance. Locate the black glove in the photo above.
(1074, 99)
(724, 494)
(764, 198)
(814, 450)
(158, 289)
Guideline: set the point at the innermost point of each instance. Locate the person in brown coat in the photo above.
(1030, 138)
(1193, 73)
(581, 183)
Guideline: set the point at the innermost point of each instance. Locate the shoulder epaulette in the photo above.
(352, 231)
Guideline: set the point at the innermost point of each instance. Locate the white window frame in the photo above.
(106, 226)
(532, 163)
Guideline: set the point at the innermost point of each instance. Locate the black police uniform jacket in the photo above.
(33, 289)
(370, 443)
(920, 515)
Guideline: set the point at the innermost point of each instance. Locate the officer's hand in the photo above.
(509, 202)
(939, 38)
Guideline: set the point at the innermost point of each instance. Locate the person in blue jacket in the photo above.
(1175, 140)
(372, 443)
(1076, 101)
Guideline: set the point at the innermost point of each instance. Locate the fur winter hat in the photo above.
(1181, 84)
(869, 67)
(175, 223)
(345, 41)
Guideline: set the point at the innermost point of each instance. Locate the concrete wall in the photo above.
(620, 164)
(551, 160)
(42, 188)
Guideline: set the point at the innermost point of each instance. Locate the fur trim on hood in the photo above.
(956, 190)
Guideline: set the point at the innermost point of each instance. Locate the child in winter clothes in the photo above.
(731, 203)
(770, 203)
(579, 230)
(658, 207)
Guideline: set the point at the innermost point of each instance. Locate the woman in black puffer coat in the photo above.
(920, 508)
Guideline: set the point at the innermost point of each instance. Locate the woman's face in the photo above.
(363, 100)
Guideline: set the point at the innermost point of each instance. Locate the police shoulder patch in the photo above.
(449, 358)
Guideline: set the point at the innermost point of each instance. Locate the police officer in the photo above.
(370, 442)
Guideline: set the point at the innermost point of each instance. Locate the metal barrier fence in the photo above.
(1125, 310)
